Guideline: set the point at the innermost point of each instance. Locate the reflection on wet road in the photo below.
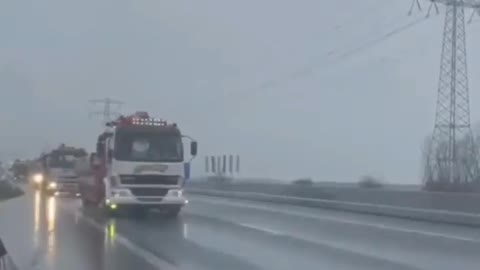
(49, 233)
(56, 233)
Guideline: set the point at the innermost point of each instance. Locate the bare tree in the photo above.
(437, 165)
(369, 181)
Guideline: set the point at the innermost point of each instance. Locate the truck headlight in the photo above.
(38, 178)
(120, 193)
(114, 181)
(176, 192)
(181, 181)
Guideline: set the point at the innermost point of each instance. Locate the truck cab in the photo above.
(61, 172)
(56, 174)
(139, 164)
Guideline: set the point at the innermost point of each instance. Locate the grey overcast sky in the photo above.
(262, 78)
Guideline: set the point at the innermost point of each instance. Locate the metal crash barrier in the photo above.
(6, 262)
(8, 190)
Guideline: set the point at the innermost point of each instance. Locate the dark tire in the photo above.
(139, 212)
(105, 209)
(86, 204)
(49, 193)
(110, 213)
(173, 212)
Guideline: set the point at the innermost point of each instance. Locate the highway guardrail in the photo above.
(8, 190)
(431, 215)
(449, 201)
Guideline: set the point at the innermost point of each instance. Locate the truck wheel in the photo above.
(173, 212)
(139, 212)
(110, 213)
(86, 203)
(106, 210)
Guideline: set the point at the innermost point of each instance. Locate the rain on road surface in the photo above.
(214, 233)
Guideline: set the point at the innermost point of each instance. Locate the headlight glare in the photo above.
(38, 178)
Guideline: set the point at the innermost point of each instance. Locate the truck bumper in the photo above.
(65, 189)
(147, 201)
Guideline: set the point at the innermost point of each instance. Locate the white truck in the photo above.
(55, 173)
(139, 164)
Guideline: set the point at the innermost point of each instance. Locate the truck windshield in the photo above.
(61, 161)
(148, 147)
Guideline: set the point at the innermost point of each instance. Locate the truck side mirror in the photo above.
(94, 161)
(193, 148)
(99, 148)
(110, 155)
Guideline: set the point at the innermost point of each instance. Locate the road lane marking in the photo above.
(260, 228)
(146, 255)
(339, 220)
(359, 250)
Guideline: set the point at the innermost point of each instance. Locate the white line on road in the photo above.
(146, 255)
(260, 228)
(335, 219)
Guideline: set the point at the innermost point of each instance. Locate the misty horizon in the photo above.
(299, 90)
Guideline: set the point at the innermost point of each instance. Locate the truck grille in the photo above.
(70, 177)
(62, 186)
(150, 199)
(149, 179)
(67, 182)
(149, 191)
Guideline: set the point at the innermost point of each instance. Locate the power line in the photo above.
(475, 13)
(354, 20)
(330, 60)
(107, 113)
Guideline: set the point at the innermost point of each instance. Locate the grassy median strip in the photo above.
(9, 191)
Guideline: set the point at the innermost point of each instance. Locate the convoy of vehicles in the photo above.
(139, 164)
(54, 172)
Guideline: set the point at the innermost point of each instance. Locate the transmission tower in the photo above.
(107, 113)
(451, 162)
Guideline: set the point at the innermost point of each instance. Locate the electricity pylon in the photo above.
(452, 158)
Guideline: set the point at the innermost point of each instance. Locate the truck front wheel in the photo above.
(173, 212)
(139, 212)
(86, 203)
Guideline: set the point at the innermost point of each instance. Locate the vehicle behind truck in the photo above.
(56, 174)
(139, 165)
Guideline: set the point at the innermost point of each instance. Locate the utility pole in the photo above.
(452, 158)
(107, 113)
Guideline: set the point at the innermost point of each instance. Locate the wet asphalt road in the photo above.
(213, 233)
